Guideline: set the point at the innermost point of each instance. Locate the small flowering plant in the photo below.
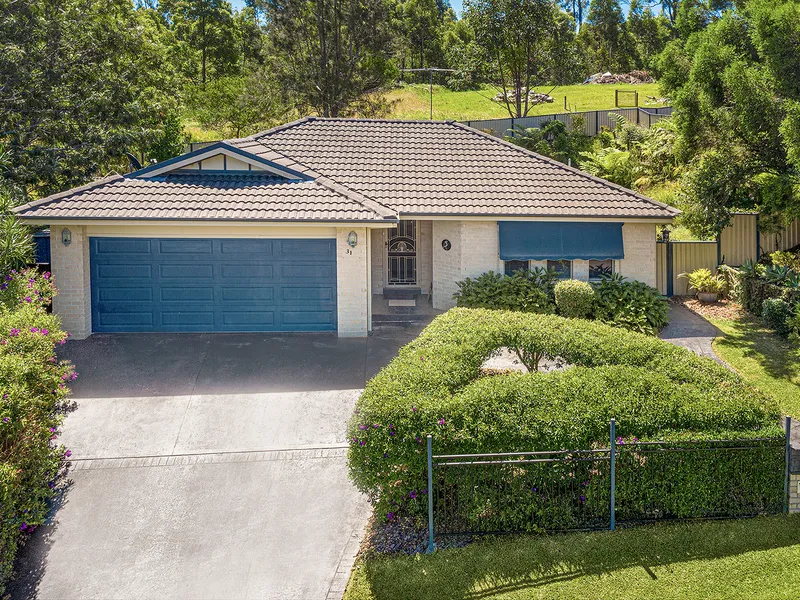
(26, 287)
(34, 397)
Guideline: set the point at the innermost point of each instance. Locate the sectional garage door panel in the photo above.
(200, 285)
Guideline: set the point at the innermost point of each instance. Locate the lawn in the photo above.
(768, 361)
(749, 558)
(413, 101)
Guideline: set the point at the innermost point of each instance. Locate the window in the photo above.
(598, 269)
(563, 268)
(512, 266)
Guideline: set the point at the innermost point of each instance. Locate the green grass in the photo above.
(746, 559)
(413, 101)
(766, 360)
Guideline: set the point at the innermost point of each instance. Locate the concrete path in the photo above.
(691, 331)
(208, 466)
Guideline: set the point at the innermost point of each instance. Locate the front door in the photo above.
(402, 250)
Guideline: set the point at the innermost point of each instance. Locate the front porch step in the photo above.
(400, 318)
(401, 293)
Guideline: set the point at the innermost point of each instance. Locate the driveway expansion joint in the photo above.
(134, 462)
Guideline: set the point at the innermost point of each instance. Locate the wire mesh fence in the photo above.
(627, 482)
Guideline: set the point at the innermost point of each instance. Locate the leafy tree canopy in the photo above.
(735, 84)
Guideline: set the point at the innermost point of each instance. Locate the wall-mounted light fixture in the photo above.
(66, 237)
(352, 239)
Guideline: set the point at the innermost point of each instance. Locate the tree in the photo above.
(417, 28)
(605, 34)
(16, 243)
(208, 26)
(577, 8)
(518, 38)
(735, 86)
(83, 82)
(650, 33)
(241, 105)
(329, 53)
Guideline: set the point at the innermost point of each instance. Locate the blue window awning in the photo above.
(543, 240)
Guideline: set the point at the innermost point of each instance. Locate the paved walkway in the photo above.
(691, 331)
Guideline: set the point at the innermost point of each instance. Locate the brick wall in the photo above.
(70, 267)
(424, 258)
(378, 257)
(446, 263)
(639, 240)
(351, 282)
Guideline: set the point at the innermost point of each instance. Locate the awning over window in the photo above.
(542, 240)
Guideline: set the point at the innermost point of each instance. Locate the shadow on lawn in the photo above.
(775, 354)
(507, 565)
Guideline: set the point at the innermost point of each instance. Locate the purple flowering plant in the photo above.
(35, 399)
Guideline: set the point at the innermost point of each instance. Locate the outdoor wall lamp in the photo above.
(352, 239)
(66, 237)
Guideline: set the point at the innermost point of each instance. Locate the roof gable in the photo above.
(216, 157)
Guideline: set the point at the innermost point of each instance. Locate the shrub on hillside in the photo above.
(776, 314)
(631, 305)
(33, 387)
(525, 291)
(794, 324)
(574, 299)
(435, 386)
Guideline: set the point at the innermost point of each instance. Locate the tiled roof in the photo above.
(203, 196)
(445, 168)
(357, 170)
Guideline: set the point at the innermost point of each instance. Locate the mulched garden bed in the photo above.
(722, 309)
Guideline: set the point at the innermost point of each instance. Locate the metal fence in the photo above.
(594, 120)
(628, 482)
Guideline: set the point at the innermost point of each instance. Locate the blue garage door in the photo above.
(213, 284)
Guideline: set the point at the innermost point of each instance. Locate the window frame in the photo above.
(527, 266)
(599, 279)
(561, 261)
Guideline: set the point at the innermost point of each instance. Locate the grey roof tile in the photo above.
(362, 170)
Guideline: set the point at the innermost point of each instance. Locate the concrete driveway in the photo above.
(207, 466)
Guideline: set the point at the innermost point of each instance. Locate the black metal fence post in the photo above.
(431, 544)
(613, 455)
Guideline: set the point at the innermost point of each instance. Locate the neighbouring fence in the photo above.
(739, 242)
(594, 120)
(628, 482)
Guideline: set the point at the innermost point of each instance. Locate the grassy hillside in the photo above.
(413, 101)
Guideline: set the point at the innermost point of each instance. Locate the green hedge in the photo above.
(654, 389)
(34, 390)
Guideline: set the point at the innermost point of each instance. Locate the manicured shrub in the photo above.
(435, 386)
(776, 314)
(525, 291)
(574, 299)
(33, 388)
(631, 305)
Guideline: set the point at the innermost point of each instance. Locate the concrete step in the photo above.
(401, 293)
(400, 318)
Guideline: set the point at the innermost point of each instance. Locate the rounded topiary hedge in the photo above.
(435, 386)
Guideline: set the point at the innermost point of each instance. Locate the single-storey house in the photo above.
(296, 228)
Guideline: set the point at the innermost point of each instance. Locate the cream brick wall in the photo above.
(424, 255)
(794, 493)
(70, 267)
(639, 240)
(476, 250)
(378, 259)
(352, 283)
(446, 263)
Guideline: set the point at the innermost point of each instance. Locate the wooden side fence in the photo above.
(739, 242)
